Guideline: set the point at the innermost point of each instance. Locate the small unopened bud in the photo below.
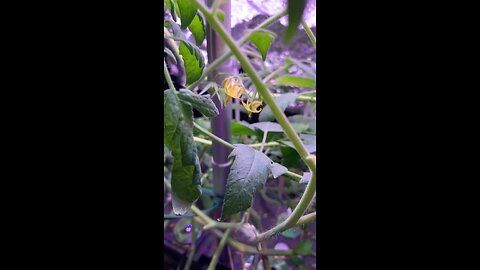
(246, 234)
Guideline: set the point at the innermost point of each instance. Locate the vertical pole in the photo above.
(221, 125)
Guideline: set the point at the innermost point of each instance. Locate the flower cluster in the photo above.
(234, 88)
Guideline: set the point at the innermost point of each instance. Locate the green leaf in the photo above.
(290, 157)
(248, 174)
(296, 81)
(197, 27)
(187, 12)
(309, 123)
(282, 101)
(295, 13)
(178, 137)
(242, 128)
(193, 61)
(268, 127)
(220, 15)
(311, 147)
(171, 7)
(278, 170)
(262, 39)
(203, 104)
(295, 260)
(303, 248)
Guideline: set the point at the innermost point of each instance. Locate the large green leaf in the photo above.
(187, 12)
(178, 137)
(197, 27)
(296, 81)
(248, 174)
(282, 101)
(193, 61)
(295, 13)
(203, 104)
(262, 39)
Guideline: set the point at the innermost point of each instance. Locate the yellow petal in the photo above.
(231, 90)
(227, 84)
(227, 100)
(246, 105)
(255, 106)
(233, 87)
(238, 92)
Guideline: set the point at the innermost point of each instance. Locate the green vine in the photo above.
(279, 116)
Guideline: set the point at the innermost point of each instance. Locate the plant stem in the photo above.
(219, 61)
(309, 33)
(306, 99)
(265, 145)
(246, 248)
(302, 97)
(264, 139)
(253, 145)
(273, 74)
(215, 5)
(306, 219)
(191, 252)
(216, 138)
(222, 225)
(200, 140)
(172, 43)
(199, 213)
(296, 215)
(281, 119)
(217, 253)
(169, 79)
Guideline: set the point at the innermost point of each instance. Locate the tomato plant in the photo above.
(276, 147)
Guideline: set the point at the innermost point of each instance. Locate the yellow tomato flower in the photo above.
(252, 107)
(233, 88)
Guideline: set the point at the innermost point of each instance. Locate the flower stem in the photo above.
(309, 33)
(217, 253)
(167, 76)
(219, 61)
(301, 97)
(191, 252)
(213, 136)
(306, 219)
